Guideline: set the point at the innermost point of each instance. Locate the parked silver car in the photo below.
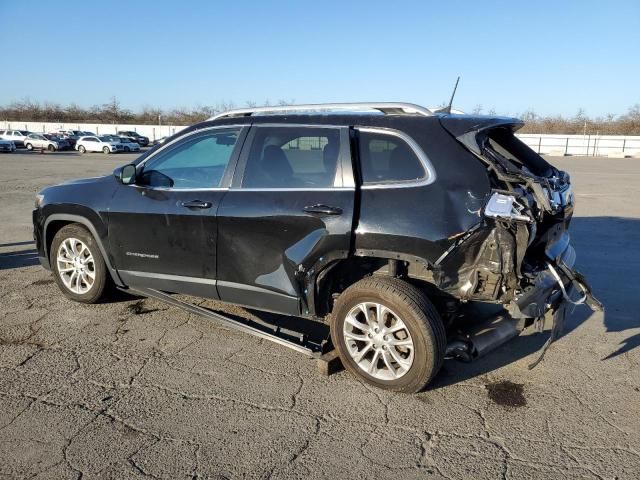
(38, 141)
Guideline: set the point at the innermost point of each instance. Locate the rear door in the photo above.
(288, 214)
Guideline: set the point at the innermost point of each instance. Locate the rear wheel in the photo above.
(127, 149)
(77, 264)
(81, 149)
(51, 148)
(105, 150)
(389, 334)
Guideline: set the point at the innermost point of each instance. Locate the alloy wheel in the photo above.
(378, 341)
(76, 266)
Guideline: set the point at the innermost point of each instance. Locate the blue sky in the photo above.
(550, 56)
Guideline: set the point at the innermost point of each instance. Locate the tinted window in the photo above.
(386, 158)
(199, 161)
(292, 157)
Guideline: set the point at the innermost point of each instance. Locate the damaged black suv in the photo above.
(414, 235)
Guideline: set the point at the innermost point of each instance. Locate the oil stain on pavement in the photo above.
(507, 394)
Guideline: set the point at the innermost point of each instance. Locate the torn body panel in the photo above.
(520, 256)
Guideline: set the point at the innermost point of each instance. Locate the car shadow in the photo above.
(609, 257)
(19, 259)
(16, 244)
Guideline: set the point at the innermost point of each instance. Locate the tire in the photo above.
(106, 150)
(51, 148)
(81, 149)
(422, 327)
(29, 146)
(80, 290)
(127, 149)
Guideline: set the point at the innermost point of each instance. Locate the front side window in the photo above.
(386, 158)
(198, 161)
(292, 157)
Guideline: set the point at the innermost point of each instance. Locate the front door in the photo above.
(288, 213)
(163, 229)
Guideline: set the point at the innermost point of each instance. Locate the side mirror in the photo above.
(126, 175)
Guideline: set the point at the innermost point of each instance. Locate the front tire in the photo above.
(29, 146)
(389, 334)
(51, 148)
(106, 150)
(77, 264)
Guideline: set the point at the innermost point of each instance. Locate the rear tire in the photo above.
(106, 150)
(403, 351)
(51, 148)
(81, 149)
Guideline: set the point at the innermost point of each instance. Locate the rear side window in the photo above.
(386, 158)
(292, 157)
(198, 161)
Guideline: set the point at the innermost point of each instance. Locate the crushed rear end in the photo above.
(519, 254)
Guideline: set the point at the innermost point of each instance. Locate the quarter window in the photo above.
(292, 157)
(385, 158)
(198, 161)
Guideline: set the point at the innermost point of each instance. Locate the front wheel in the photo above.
(389, 334)
(77, 264)
(81, 149)
(29, 146)
(105, 150)
(51, 148)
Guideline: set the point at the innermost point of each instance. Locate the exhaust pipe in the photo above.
(485, 337)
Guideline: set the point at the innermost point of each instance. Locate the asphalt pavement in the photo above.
(133, 388)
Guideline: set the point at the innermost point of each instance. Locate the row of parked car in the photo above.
(83, 141)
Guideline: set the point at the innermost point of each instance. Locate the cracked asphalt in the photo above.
(133, 388)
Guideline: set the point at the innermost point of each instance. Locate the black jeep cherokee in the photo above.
(416, 236)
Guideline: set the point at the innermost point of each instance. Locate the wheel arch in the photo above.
(341, 274)
(56, 221)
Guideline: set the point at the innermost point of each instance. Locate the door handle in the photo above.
(322, 209)
(196, 204)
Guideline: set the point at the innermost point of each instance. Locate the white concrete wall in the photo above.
(593, 145)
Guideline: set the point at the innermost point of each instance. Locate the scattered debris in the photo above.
(139, 308)
(44, 281)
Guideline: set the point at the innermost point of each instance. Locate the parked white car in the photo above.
(15, 136)
(7, 146)
(38, 141)
(129, 145)
(98, 144)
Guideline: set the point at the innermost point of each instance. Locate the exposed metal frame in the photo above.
(387, 108)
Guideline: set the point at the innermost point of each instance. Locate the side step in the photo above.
(297, 341)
